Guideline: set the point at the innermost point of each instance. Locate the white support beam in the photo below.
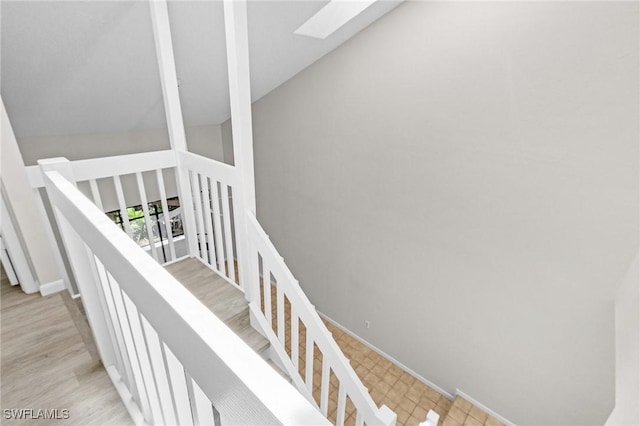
(237, 40)
(173, 110)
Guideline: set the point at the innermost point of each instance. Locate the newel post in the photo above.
(237, 42)
(81, 261)
(173, 111)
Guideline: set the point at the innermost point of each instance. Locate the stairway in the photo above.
(221, 297)
(387, 383)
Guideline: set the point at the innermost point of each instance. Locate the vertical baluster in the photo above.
(324, 386)
(95, 193)
(201, 408)
(127, 374)
(154, 352)
(108, 314)
(178, 386)
(342, 401)
(141, 350)
(197, 200)
(266, 284)
(294, 338)
(280, 314)
(227, 232)
(206, 202)
(165, 213)
(123, 206)
(147, 218)
(308, 365)
(217, 225)
(359, 419)
(143, 398)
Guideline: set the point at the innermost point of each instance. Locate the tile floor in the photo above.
(387, 383)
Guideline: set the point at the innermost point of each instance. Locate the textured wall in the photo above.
(465, 177)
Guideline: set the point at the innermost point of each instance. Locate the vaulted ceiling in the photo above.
(90, 67)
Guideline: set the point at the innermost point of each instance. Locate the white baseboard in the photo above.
(393, 360)
(484, 408)
(52, 287)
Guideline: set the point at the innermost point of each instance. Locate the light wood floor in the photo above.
(45, 363)
(221, 297)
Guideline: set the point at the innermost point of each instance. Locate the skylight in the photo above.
(331, 17)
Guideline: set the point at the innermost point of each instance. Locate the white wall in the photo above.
(627, 408)
(202, 140)
(22, 208)
(465, 177)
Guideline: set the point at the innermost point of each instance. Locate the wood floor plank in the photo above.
(46, 364)
(221, 297)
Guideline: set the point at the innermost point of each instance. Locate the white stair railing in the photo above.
(212, 185)
(296, 331)
(172, 360)
(217, 219)
(298, 336)
(119, 182)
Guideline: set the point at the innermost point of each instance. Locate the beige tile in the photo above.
(383, 387)
(389, 379)
(368, 363)
(470, 421)
(462, 404)
(441, 412)
(407, 378)
(414, 395)
(478, 414)
(449, 421)
(395, 396)
(395, 371)
(379, 370)
(403, 415)
(420, 412)
(492, 421)
(457, 414)
(377, 396)
(426, 403)
(432, 394)
(407, 405)
(401, 386)
(445, 403)
(413, 421)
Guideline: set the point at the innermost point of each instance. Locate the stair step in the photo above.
(278, 370)
(224, 299)
(242, 327)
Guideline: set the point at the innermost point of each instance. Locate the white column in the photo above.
(21, 205)
(237, 41)
(236, 30)
(173, 110)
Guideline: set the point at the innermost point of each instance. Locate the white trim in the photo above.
(484, 408)
(390, 358)
(186, 256)
(6, 264)
(17, 253)
(52, 287)
(125, 396)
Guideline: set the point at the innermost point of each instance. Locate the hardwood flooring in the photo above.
(46, 364)
(221, 297)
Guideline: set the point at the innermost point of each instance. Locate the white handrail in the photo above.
(239, 384)
(106, 167)
(306, 312)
